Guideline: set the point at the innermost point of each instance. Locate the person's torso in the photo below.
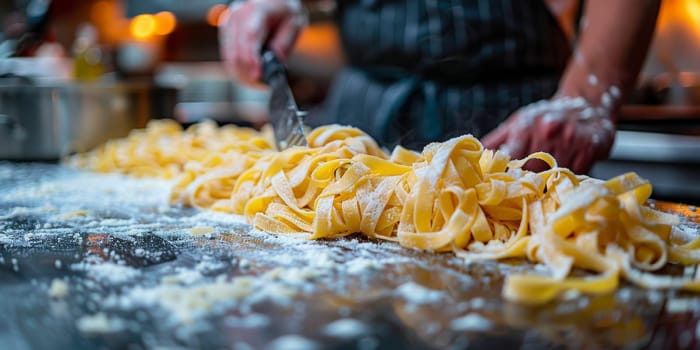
(422, 71)
(482, 35)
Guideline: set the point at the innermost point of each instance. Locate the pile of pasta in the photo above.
(162, 149)
(453, 196)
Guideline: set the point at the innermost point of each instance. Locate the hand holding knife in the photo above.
(285, 117)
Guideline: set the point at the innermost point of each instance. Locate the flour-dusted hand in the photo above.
(574, 132)
(577, 124)
(251, 24)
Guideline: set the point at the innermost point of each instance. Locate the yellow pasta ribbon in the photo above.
(453, 196)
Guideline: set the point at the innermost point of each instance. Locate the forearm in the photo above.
(611, 49)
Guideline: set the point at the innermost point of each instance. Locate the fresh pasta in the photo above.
(162, 149)
(454, 196)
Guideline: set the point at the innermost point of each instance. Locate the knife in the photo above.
(285, 117)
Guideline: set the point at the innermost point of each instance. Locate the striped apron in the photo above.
(429, 70)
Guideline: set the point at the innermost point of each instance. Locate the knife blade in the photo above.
(285, 117)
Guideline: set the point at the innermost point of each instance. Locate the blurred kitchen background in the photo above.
(75, 73)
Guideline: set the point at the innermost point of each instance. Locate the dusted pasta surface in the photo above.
(453, 196)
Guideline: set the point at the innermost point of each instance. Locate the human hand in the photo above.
(251, 24)
(574, 132)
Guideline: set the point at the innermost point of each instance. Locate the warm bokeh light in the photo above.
(676, 44)
(108, 17)
(693, 8)
(216, 14)
(677, 14)
(320, 38)
(165, 22)
(101, 11)
(143, 26)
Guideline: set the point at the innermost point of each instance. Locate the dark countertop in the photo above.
(102, 261)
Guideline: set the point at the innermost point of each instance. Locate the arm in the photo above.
(577, 124)
(614, 40)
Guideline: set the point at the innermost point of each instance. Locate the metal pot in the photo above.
(47, 122)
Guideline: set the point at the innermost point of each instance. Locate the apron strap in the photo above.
(404, 85)
(395, 98)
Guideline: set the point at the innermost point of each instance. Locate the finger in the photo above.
(283, 40)
(603, 142)
(569, 133)
(241, 32)
(256, 31)
(516, 147)
(537, 142)
(251, 59)
(563, 156)
(561, 148)
(539, 134)
(226, 44)
(495, 138)
(243, 51)
(239, 50)
(536, 165)
(550, 124)
(583, 160)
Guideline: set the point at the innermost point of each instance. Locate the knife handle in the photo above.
(271, 66)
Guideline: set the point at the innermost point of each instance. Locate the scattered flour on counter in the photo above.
(470, 322)
(187, 303)
(58, 289)
(477, 303)
(183, 276)
(417, 294)
(117, 222)
(247, 321)
(209, 266)
(22, 211)
(84, 187)
(107, 271)
(292, 342)
(346, 328)
(362, 265)
(99, 324)
(139, 252)
(190, 302)
(244, 264)
(202, 230)
(214, 280)
(73, 214)
(215, 216)
(302, 267)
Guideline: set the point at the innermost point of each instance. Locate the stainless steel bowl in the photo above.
(47, 122)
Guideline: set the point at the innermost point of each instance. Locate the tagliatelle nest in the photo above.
(453, 196)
